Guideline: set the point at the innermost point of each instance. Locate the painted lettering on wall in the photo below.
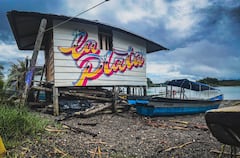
(95, 64)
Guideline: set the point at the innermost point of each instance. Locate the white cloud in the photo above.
(10, 54)
(74, 7)
(178, 16)
(134, 11)
(183, 18)
(125, 11)
(195, 61)
(161, 72)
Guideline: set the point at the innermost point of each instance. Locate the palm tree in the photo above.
(1, 73)
(1, 77)
(2, 94)
(16, 77)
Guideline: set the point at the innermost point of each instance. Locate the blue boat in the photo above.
(176, 102)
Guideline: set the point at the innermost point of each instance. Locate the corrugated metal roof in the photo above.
(25, 28)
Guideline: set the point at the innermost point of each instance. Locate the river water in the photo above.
(229, 92)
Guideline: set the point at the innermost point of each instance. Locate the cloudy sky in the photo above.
(203, 36)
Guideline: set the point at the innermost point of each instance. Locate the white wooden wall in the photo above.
(67, 72)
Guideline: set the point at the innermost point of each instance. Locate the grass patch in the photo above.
(17, 123)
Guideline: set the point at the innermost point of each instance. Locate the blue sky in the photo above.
(203, 36)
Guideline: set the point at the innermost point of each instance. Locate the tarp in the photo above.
(185, 83)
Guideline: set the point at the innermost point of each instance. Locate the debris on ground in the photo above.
(125, 134)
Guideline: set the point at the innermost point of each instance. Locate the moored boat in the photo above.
(178, 104)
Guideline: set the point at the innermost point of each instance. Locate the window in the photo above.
(105, 40)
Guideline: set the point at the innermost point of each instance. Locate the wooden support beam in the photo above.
(42, 73)
(145, 91)
(128, 90)
(115, 97)
(37, 47)
(38, 42)
(55, 101)
(42, 88)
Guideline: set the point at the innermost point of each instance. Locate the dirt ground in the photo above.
(125, 135)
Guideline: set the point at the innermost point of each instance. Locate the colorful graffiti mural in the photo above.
(94, 64)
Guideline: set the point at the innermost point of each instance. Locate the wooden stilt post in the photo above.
(144, 91)
(128, 90)
(36, 49)
(115, 97)
(38, 92)
(55, 101)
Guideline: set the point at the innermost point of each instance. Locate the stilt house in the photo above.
(81, 54)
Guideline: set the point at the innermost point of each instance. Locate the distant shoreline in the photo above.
(218, 83)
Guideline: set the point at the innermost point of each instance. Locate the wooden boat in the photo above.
(163, 106)
(224, 124)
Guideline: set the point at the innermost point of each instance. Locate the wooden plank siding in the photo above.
(67, 70)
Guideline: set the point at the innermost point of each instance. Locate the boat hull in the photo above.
(224, 124)
(167, 107)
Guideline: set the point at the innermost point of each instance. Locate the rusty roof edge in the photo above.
(11, 22)
(12, 13)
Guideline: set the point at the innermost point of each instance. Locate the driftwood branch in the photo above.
(87, 124)
(52, 129)
(177, 124)
(178, 146)
(79, 130)
(221, 152)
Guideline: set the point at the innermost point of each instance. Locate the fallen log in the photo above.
(79, 130)
(96, 109)
(86, 96)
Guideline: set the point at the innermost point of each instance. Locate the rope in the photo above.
(61, 23)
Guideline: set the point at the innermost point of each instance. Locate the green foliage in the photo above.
(16, 124)
(230, 82)
(1, 84)
(16, 77)
(149, 82)
(1, 77)
(210, 81)
(1, 73)
(216, 82)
